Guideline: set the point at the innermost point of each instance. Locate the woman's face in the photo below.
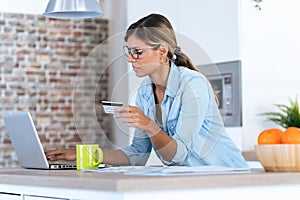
(148, 61)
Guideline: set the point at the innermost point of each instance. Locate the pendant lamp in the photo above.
(73, 9)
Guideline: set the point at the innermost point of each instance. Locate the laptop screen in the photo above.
(25, 140)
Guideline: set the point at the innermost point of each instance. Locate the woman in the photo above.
(176, 112)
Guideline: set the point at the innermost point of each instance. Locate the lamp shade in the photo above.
(73, 9)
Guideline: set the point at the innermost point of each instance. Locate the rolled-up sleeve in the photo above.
(139, 150)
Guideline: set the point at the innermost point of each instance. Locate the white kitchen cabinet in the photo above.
(213, 25)
(28, 197)
(8, 196)
(136, 9)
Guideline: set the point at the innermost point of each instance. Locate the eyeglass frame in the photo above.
(138, 51)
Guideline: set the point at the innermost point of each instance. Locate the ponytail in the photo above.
(181, 59)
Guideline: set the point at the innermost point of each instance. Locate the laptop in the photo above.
(26, 143)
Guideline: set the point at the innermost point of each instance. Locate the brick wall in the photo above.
(55, 69)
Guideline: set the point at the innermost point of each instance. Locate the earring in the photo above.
(164, 60)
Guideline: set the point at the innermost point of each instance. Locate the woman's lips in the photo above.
(135, 68)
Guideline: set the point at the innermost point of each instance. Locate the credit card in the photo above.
(110, 106)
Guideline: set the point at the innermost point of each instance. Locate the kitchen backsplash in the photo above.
(55, 69)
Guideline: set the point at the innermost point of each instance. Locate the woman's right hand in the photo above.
(61, 154)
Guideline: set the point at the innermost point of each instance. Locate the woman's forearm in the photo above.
(115, 157)
(166, 145)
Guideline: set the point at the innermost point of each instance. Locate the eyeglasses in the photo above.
(136, 52)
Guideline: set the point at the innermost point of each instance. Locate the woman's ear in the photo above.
(163, 49)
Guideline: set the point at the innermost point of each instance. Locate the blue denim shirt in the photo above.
(191, 117)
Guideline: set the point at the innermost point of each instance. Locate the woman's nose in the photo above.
(130, 59)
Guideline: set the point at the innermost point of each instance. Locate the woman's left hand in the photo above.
(133, 117)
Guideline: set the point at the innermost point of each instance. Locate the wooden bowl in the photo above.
(279, 157)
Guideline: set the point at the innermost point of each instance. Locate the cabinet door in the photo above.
(213, 25)
(6, 196)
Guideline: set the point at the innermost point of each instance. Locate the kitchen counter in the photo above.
(72, 184)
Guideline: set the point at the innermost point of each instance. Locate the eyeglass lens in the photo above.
(133, 52)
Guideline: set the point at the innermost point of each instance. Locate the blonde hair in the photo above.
(155, 30)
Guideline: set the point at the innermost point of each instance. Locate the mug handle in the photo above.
(100, 156)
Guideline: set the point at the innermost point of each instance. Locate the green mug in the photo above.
(88, 156)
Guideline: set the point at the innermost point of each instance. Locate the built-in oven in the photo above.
(225, 78)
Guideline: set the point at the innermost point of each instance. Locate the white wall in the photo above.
(116, 12)
(270, 54)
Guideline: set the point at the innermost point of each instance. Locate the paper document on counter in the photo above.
(171, 170)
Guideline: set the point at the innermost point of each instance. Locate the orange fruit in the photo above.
(270, 136)
(291, 136)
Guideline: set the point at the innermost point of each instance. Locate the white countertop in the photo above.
(74, 184)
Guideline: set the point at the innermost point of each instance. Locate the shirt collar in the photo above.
(173, 81)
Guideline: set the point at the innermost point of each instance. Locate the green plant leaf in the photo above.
(288, 115)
